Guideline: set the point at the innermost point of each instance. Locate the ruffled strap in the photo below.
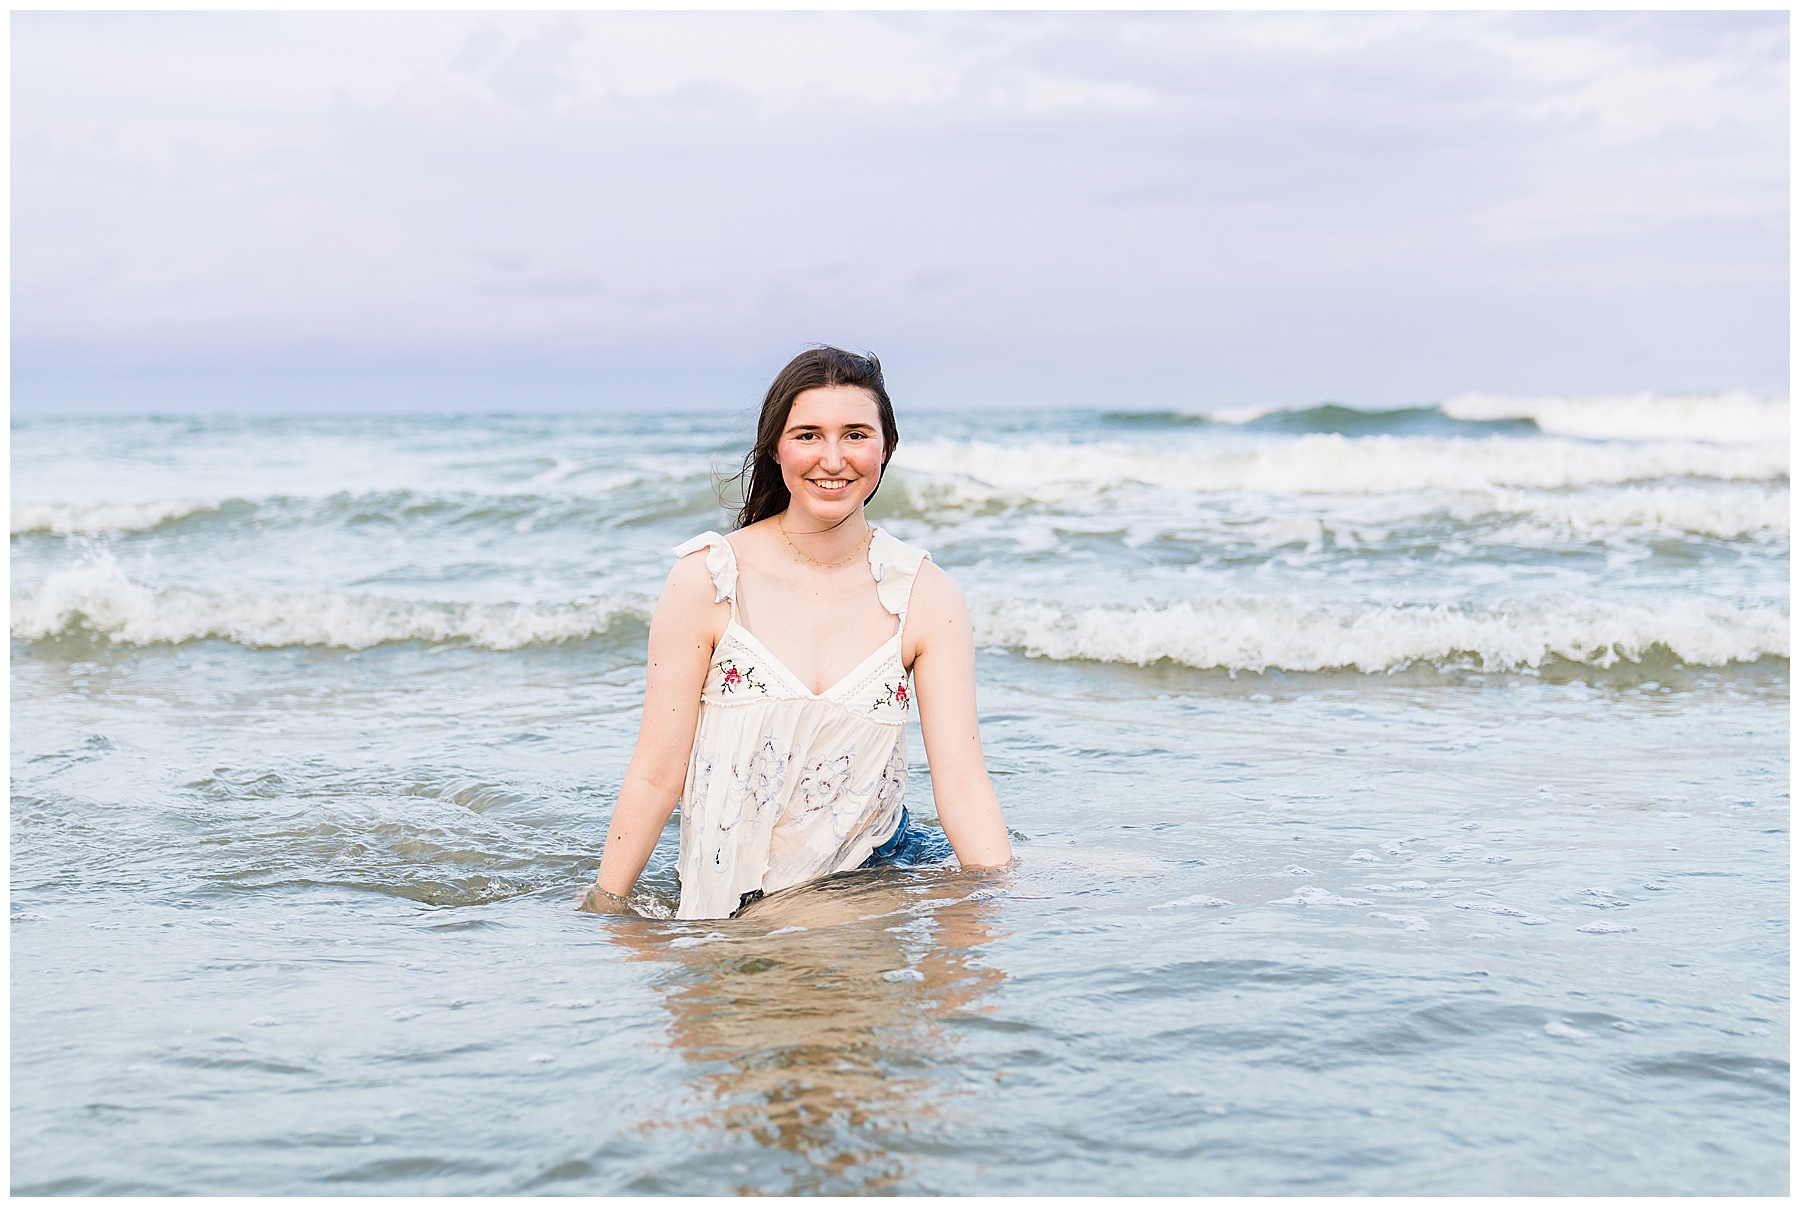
(895, 566)
(721, 563)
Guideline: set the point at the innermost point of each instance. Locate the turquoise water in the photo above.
(1400, 800)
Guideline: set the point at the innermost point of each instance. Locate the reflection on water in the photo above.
(818, 1021)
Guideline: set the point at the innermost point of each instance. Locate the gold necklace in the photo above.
(869, 532)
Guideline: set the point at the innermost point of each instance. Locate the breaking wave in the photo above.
(948, 473)
(1711, 417)
(1726, 417)
(1259, 634)
(1662, 510)
(97, 599)
(660, 497)
(95, 519)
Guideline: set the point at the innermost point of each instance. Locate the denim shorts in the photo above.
(911, 846)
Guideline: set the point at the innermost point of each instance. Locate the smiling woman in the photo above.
(776, 697)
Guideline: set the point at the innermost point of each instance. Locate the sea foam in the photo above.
(977, 472)
(93, 519)
(1658, 509)
(96, 597)
(1713, 417)
(1258, 634)
(1724, 417)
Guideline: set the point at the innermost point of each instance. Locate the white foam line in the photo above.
(1257, 634)
(941, 472)
(1659, 509)
(1726, 417)
(72, 519)
(97, 596)
(1716, 416)
(1246, 633)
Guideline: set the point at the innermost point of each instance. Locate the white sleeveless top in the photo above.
(785, 786)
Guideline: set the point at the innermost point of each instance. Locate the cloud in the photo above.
(1384, 206)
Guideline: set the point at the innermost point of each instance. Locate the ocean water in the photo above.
(1401, 804)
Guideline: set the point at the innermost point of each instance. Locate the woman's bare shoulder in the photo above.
(689, 590)
(935, 596)
(689, 570)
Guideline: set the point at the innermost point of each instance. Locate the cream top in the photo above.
(786, 785)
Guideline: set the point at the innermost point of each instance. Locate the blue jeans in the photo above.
(911, 846)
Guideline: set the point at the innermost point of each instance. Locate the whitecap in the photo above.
(1526, 917)
(96, 519)
(1202, 901)
(1658, 509)
(97, 596)
(1723, 417)
(1309, 895)
(977, 474)
(1258, 633)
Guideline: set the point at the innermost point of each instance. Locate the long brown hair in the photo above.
(819, 366)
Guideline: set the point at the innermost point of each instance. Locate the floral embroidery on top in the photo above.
(731, 678)
(896, 695)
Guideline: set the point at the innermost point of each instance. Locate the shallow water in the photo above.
(317, 725)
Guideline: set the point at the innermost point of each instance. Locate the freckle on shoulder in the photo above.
(689, 573)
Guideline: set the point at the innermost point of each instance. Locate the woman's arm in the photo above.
(944, 676)
(683, 632)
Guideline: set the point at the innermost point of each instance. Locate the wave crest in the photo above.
(97, 598)
(662, 496)
(95, 519)
(1711, 417)
(1723, 417)
(1261, 634)
(972, 473)
(1662, 510)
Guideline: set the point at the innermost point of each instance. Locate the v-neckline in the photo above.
(794, 679)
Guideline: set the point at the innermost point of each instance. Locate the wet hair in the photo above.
(765, 494)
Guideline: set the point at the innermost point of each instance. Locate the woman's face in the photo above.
(830, 451)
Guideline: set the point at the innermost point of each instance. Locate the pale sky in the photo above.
(327, 211)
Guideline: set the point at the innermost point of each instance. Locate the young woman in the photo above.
(776, 699)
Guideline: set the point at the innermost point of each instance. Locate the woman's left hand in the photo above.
(598, 901)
